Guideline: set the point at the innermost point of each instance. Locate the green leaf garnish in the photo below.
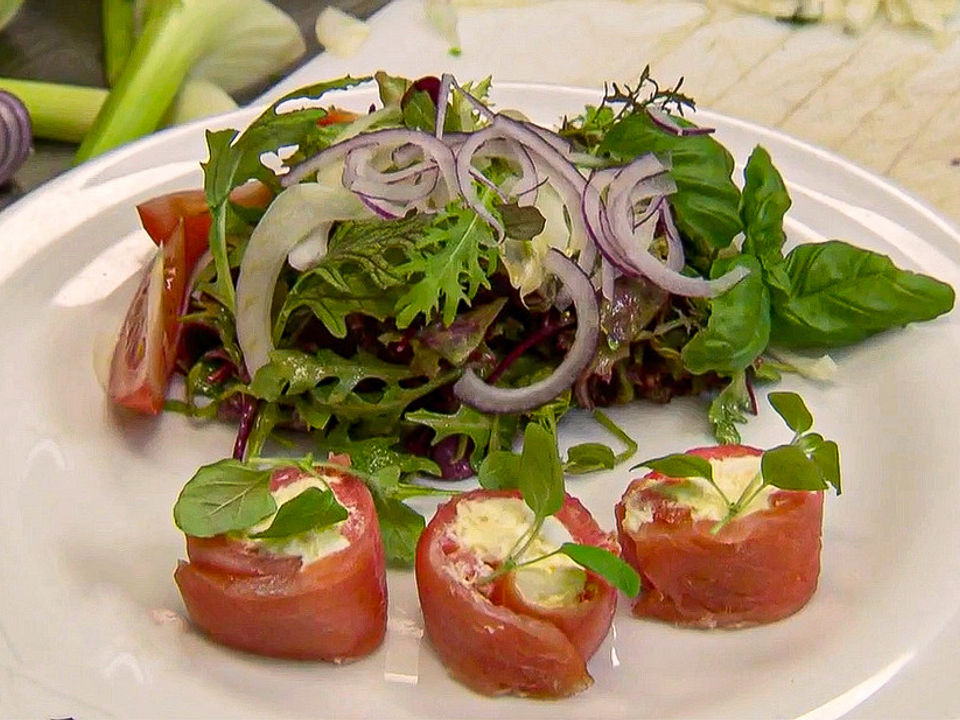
(589, 457)
(400, 528)
(521, 223)
(605, 564)
(792, 409)
(541, 474)
(500, 470)
(788, 468)
(310, 510)
(226, 496)
(680, 465)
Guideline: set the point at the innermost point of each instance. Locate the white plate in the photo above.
(89, 623)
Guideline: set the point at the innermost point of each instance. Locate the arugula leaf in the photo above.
(832, 294)
(729, 408)
(738, 328)
(788, 468)
(500, 470)
(465, 421)
(458, 250)
(358, 273)
(310, 510)
(763, 204)
(792, 409)
(234, 158)
(371, 455)
(223, 497)
(400, 528)
(707, 200)
(605, 564)
(589, 457)
(680, 465)
(541, 475)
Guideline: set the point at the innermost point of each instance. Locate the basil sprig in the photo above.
(809, 462)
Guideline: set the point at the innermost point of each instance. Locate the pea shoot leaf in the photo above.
(541, 475)
(788, 468)
(680, 465)
(400, 528)
(605, 564)
(792, 409)
(312, 509)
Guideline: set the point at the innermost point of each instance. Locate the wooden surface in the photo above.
(60, 41)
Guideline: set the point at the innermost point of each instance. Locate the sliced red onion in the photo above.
(665, 122)
(15, 136)
(675, 256)
(443, 97)
(473, 391)
(380, 208)
(464, 167)
(430, 147)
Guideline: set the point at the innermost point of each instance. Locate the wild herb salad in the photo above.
(420, 282)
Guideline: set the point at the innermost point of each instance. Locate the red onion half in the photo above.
(15, 136)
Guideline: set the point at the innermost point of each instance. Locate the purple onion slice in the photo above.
(472, 390)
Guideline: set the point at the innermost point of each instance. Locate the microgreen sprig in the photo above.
(808, 462)
(540, 474)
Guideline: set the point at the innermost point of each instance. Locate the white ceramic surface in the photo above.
(90, 620)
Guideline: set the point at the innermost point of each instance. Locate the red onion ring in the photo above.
(473, 391)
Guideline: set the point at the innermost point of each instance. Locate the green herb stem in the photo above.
(618, 433)
(750, 492)
(118, 36)
(57, 111)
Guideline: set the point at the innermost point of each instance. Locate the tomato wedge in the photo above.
(333, 608)
(146, 349)
(160, 215)
(488, 636)
(761, 567)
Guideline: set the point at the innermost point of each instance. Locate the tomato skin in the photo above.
(332, 609)
(760, 568)
(160, 215)
(146, 348)
(496, 643)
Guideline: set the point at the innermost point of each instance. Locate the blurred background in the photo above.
(876, 81)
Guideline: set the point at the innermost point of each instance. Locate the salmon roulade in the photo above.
(319, 595)
(527, 632)
(702, 569)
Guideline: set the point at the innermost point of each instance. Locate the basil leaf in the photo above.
(832, 294)
(223, 497)
(541, 475)
(310, 510)
(707, 201)
(680, 465)
(763, 204)
(400, 528)
(788, 468)
(738, 329)
(792, 409)
(605, 564)
(589, 457)
(500, 470)
(521, 223)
